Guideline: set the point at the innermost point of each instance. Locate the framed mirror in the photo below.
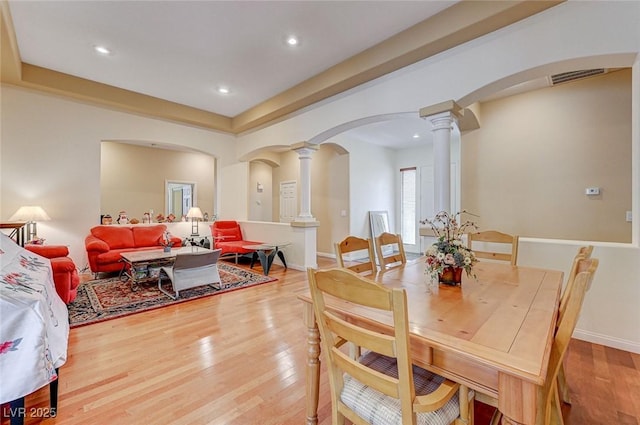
(379, 221)
(180, 196)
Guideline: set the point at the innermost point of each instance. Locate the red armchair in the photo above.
(65, 274)
(227, 236)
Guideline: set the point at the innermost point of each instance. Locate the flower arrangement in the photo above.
(449, 251)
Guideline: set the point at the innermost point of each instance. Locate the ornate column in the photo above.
(305, 150)
(442, 117)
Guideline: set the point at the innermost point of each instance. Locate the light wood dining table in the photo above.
(494, 333)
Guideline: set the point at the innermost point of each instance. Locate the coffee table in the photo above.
(266, 252)
(137, 263)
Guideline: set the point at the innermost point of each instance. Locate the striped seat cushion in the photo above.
(379, 409)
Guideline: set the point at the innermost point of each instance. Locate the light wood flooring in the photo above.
(239, 358)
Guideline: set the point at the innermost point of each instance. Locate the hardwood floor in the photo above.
(239, 358)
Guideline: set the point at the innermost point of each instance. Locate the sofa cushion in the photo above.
(116, 237)
(144, 236)
(229, 234)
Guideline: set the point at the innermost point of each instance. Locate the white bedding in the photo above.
(34, 322)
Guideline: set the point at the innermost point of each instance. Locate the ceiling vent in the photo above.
(575, 75)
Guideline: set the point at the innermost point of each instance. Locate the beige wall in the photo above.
(329, 192)
(525, 171)
(260, 203)
(132, 178)
(330, 196)
(287, 171)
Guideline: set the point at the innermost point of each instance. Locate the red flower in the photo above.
(5, 346)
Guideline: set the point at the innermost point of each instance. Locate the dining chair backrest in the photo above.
(583, 253)
(354, 245)
(490, 237)
(566, 326)
(335, 331)
(396, 257)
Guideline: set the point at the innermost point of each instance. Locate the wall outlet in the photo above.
(590, 191)
(629, 216)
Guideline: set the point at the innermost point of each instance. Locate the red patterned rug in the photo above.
(105, 299)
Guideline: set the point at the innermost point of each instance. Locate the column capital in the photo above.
(304, 149)
(449, 106)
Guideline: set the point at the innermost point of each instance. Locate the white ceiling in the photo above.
(183, 51)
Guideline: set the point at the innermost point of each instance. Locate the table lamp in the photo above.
(195, 215)
(30, 215)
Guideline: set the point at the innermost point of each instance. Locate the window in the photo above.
(408, 205)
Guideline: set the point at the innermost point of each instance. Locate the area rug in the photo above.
(105, 299)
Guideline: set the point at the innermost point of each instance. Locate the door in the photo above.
(288, 201)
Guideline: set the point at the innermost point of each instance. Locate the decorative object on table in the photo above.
(146, 218)
(171, 218)
(195, 214)
(205, 216)
(134, 221)
(30, 214)
(106, 219)
(166, 241)
(122, 218)
(160, 218)
(448, 256)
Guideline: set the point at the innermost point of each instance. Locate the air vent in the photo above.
(575, 75)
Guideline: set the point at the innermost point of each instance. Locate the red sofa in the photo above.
(105, 243)
(65, 273)
(227, 236)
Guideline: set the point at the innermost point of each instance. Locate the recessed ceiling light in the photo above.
(292, 40)
(416, 136)
(223, 90)
(102, 50)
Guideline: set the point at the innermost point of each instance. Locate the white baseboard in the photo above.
(326, 254)
(609, 341)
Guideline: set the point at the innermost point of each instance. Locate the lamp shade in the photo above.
(30, 213)
(194, 212)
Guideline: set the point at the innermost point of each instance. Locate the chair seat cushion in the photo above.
(379, 409)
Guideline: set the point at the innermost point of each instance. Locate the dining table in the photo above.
(493, 333)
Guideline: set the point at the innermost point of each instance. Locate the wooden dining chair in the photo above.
(351, 245)
(576, 267)
(490, 237)
(397, 257)
(382, 386)
(549, 392)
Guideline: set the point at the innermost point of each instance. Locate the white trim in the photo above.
(609, 341)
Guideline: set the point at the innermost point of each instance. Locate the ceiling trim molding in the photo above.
(458, 24)
(103, 94)
(11, 61)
